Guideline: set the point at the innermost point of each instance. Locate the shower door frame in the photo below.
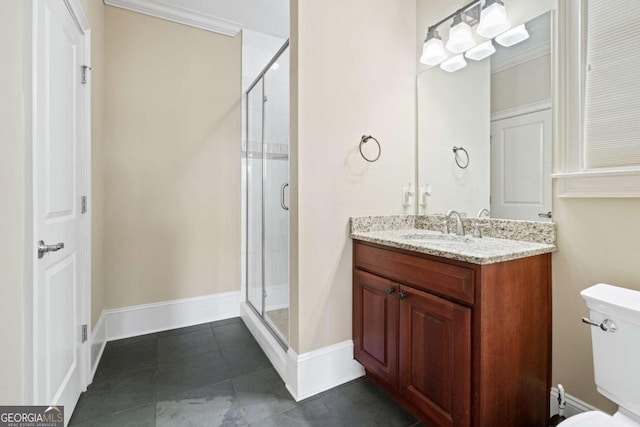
(261, 314)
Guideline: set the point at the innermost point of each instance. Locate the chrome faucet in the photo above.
(459, 225)
(484, 211)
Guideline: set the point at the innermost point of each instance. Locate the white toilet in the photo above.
(616, 355)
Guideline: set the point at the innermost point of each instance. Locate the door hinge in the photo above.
(84, 333)
(84, 75)
(83, 204)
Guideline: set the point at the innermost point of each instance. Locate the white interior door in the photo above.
(521, 166)
(58, 142)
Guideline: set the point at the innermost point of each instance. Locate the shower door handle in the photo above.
(282, 205)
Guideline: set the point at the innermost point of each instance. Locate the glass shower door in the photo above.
(276, 196)
(267, 196)
(254, 171)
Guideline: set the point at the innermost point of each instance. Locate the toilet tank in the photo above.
(616, 355)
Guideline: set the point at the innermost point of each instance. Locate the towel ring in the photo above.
(364, 140)
(455, 150)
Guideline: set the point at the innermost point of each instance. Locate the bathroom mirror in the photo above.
(500, 111)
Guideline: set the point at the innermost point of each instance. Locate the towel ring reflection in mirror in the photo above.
(455, 151)
(364, 140)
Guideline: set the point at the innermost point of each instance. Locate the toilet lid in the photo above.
(591, 419)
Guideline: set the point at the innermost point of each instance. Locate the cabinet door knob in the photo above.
(390, 290)
(402, 295)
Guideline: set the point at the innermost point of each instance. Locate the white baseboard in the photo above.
(274, 351)
(304, 375)
(574, 405)
(148, 318)
(310, 373)
(97, 343)
(322, 369)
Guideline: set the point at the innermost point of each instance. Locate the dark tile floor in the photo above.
(215, 374)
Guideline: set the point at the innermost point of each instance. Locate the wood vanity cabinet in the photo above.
(457, 344)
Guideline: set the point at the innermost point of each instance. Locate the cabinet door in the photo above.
(375, 325)
(435, 356)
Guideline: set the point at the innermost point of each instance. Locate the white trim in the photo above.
(179, 14)
(81, 20)
(573, 179)
(310, 373)
(29, 108)
(322, 369)
(521, 110)
(79, 17)
(574, 405)
(148, 318)
(29, 39)
(536, 51)
(272, 348)
(605, 184)
(97, 343)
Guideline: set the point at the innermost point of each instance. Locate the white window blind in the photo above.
(612, 85)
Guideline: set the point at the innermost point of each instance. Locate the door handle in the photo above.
(545, 215)
(282, 188)
(43, 249)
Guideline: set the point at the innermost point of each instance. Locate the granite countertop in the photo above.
(405, 234)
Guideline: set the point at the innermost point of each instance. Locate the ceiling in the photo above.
(223, 16)
(265, 16)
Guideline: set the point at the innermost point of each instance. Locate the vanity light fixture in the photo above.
(493, 19)
(492, 22)
(454, 64)
(433, 51)
(481, 51)
(460, 35)
(513, 36)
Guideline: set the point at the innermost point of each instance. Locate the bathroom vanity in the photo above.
(457, 329)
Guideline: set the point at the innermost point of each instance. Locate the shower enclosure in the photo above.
(266, 155)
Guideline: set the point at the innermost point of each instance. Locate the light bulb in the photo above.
(513, 36)
(460, 36)
(493, 19)
(481, 51)
(454, 64)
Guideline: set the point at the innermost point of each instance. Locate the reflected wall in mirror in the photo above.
(499, 110)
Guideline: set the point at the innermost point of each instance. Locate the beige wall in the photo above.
(94, 11)
(598, 244)
(11, 202)
(172, 161)
(523, 84)
(356, 75)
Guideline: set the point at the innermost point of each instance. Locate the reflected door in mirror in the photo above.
(521, 166)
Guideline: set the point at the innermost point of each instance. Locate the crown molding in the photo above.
(179, 14)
